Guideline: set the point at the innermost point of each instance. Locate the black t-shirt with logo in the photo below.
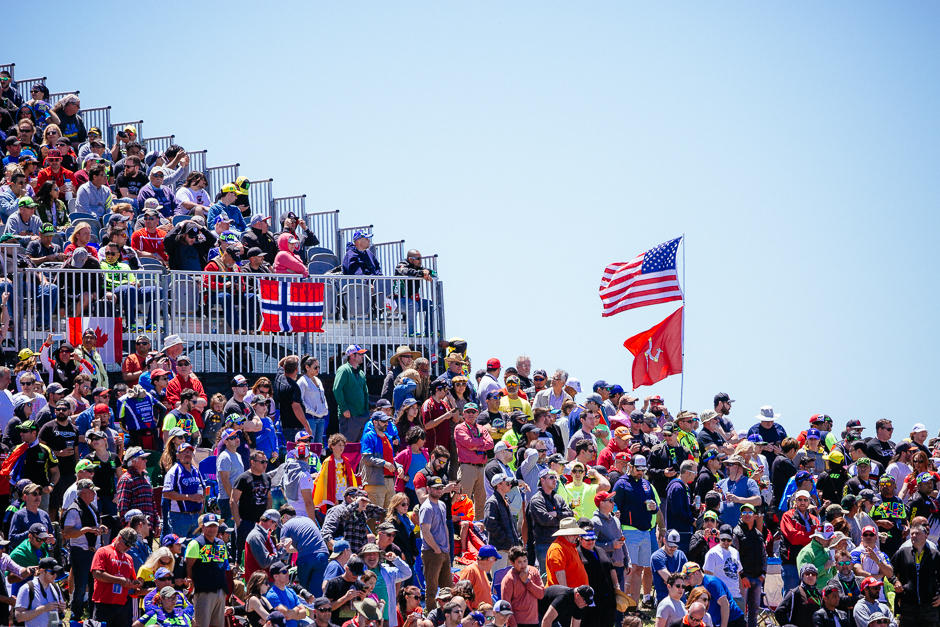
(59, 437)
(104, 476)
(254, 495)
(132, 183)
(38, 462)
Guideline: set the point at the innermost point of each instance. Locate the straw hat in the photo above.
(624, 601)
(402, 350)
(568, 527)
(452, 357)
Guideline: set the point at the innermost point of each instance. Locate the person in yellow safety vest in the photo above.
(686, 421)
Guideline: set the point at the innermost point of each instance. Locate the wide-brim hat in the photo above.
(568, 527)
(403, 350)
(767, 413)
(452, 357)
(368, 608)
(623, 601)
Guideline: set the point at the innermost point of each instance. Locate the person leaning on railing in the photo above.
(126, 288)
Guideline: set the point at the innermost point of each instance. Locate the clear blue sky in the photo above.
(531, 143)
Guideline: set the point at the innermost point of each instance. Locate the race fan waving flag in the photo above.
(649, 279)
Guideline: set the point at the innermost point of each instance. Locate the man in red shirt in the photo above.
(54, 171)
(113, 570)
(620, 443)
(136, 363)
(435, 415)
(148, 241)
(186, 380)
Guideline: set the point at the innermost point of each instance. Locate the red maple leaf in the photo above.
(102, 338)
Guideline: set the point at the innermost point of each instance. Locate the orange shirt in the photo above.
(563, 557)
(482, 587)
(462, 508)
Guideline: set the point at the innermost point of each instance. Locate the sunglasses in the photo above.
(538, 378)
(165, 578)
(849, 563)
(577, 470)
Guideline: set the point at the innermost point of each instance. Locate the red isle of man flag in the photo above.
(657, 351)
(291, 306)
(108, 332)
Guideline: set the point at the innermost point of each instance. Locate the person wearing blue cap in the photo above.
(359, 258)
(479, 574)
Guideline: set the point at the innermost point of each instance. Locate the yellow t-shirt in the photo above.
(509, 405)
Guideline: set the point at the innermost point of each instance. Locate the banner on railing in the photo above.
(291, 307)
(108, 332)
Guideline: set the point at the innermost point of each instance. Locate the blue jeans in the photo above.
(791, 577)
(310, 572)
(318, 426)
(541, 552)
(47, 301)
(129, 296)
(234, 311)
(183, 524)
(414, 308)
(752, 600)
(225, 508)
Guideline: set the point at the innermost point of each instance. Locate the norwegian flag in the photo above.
(292, 307)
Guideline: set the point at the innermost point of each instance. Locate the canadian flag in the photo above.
(109, 334)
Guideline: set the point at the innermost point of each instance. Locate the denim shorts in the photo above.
(638, 546)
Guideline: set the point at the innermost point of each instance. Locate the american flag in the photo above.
(649, 279)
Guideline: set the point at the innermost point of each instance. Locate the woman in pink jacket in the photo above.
(286, 261)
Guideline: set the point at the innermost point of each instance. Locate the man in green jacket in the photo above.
(817, 554)
(352, 395)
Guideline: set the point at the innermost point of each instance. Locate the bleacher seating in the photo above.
(187, 297)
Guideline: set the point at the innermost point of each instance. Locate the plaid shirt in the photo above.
(348, 523)
(134, 492)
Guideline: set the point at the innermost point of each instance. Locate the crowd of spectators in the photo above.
(501, 496)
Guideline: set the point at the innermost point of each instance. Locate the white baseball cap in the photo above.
(639, 461)
(574, 384)
(918, 428)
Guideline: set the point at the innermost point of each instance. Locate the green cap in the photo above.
(29, 425)
(26, 201)
(47, 228)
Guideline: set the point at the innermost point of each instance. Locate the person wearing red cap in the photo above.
(620, 443)
(868, 560)
(870, 603)
(609, 535)
(490, 381)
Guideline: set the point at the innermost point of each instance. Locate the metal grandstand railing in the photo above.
(158, 143)
(344, 236)
(119, 126)
(197, 162)
(26, 84)
(219, 314)
(59, 95)
(261, 197)
(323, 224)
(286, 204)
(99, 116)
(389, 254)
(9, 67)
(219, 175)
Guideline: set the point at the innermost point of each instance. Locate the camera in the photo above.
(514, 483)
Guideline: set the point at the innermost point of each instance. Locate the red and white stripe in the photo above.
(623, 287)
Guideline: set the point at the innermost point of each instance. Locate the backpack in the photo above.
(31, 586)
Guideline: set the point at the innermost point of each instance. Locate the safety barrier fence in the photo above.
(323, 224)
(25, 85)
(118, 127)
(197, 163)
(219, 314)
(99, 117)
(159, 144)
(9, 67)
(59, 95)
(389, 254)
(261, 197)
(287, 204)
(219, 175)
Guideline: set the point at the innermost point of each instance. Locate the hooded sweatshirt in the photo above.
(360, 261)
(287, 262)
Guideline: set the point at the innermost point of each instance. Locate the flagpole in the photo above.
(682, 378)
